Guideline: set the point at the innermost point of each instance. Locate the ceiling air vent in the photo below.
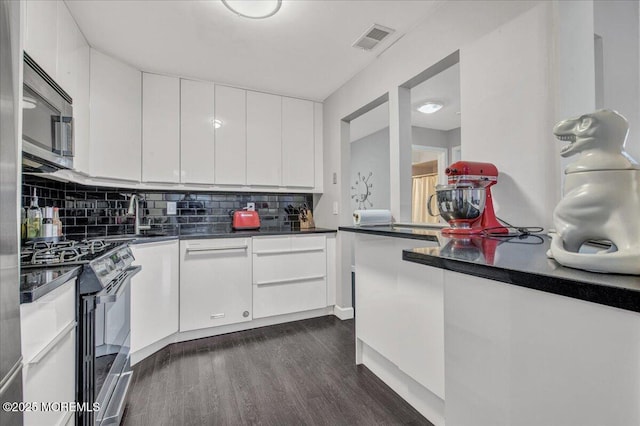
(372, 37)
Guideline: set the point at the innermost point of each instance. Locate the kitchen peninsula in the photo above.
(512, 336)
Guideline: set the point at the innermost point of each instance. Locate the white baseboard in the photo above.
(147, 351)
(184, 336)
(422, 399)
(343, 313)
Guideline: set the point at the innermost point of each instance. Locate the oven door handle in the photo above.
(113, 295)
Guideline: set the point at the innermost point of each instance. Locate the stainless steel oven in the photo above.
(104, 336)
(112, 343)
(47, 123)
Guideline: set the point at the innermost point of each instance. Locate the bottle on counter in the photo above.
(57, 223)
(47, 223)
(23, 224)
(34, 218)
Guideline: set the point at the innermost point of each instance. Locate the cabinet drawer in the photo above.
(269, 268)
(270, 245)
(287, 297)
(289, 258)
(51, 379)
(46, 318)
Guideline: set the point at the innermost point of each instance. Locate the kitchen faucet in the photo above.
(134, 210)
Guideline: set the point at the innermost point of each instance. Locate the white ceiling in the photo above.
(443, 87)
(303, 51)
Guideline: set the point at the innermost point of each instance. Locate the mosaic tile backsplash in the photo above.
(89, 211)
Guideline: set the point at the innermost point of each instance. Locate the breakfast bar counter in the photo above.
(496, 329)
(520, 261)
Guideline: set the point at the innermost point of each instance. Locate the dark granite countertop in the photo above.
(206, 232)
(414, 233)
(36, 282)
(517, 261)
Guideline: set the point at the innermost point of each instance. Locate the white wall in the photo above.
(454, 137)
(371, 155)
(507, 115)
(438, 138)
(618, 23)
(450, 27)
(523, 67)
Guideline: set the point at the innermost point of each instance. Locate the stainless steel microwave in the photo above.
(47, 120)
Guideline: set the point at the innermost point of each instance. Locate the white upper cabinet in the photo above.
(318, 156)
(231, 137)
(297, 143)
(73, 76)
(41, 35)
(264, 139)
(160, 128)
(115, 116)
(197, 148)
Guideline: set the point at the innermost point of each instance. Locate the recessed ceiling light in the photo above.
(28, 102)
(217, 123)
(253, 9)
(430, 107)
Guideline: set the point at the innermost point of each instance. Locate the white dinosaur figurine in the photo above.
(601, 195)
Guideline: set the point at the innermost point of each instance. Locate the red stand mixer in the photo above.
(466, 202)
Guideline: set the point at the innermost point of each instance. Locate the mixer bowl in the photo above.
(460, 204)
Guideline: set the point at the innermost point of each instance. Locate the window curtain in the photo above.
(422, 187)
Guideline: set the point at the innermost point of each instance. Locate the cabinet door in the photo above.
(41, 34)
(421, 331)
(197, 132)
(264, 139)
(48, 341)
(215, 282)
(231, 137)
(115, 132)
(73, 76)
(297, 143)
(51, 380)
(154, 293)
(160, 128)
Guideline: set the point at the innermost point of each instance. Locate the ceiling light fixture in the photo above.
(217, 123)
(430, 107)
(28, 102)
(253, 9)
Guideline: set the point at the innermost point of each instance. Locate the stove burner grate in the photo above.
(63, 252)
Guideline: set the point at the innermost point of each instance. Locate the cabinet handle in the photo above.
(194, 249)
(52, 344)
(216, 316)
(290, 280)
(306, 250)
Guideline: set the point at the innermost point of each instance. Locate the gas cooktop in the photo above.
(44, 253)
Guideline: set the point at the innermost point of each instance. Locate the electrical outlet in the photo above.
(171, 207)
(251, 206)
(335, 207)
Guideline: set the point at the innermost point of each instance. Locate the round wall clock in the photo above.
(361, 191)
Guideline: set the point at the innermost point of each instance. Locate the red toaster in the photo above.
(245, 219)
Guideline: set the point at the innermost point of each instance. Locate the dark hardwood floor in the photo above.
(299, 373)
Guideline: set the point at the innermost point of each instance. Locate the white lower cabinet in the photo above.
(215, 282)
(48, 330)
(517, 356)
(400, 308)
(289, 274)
(154, 293)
